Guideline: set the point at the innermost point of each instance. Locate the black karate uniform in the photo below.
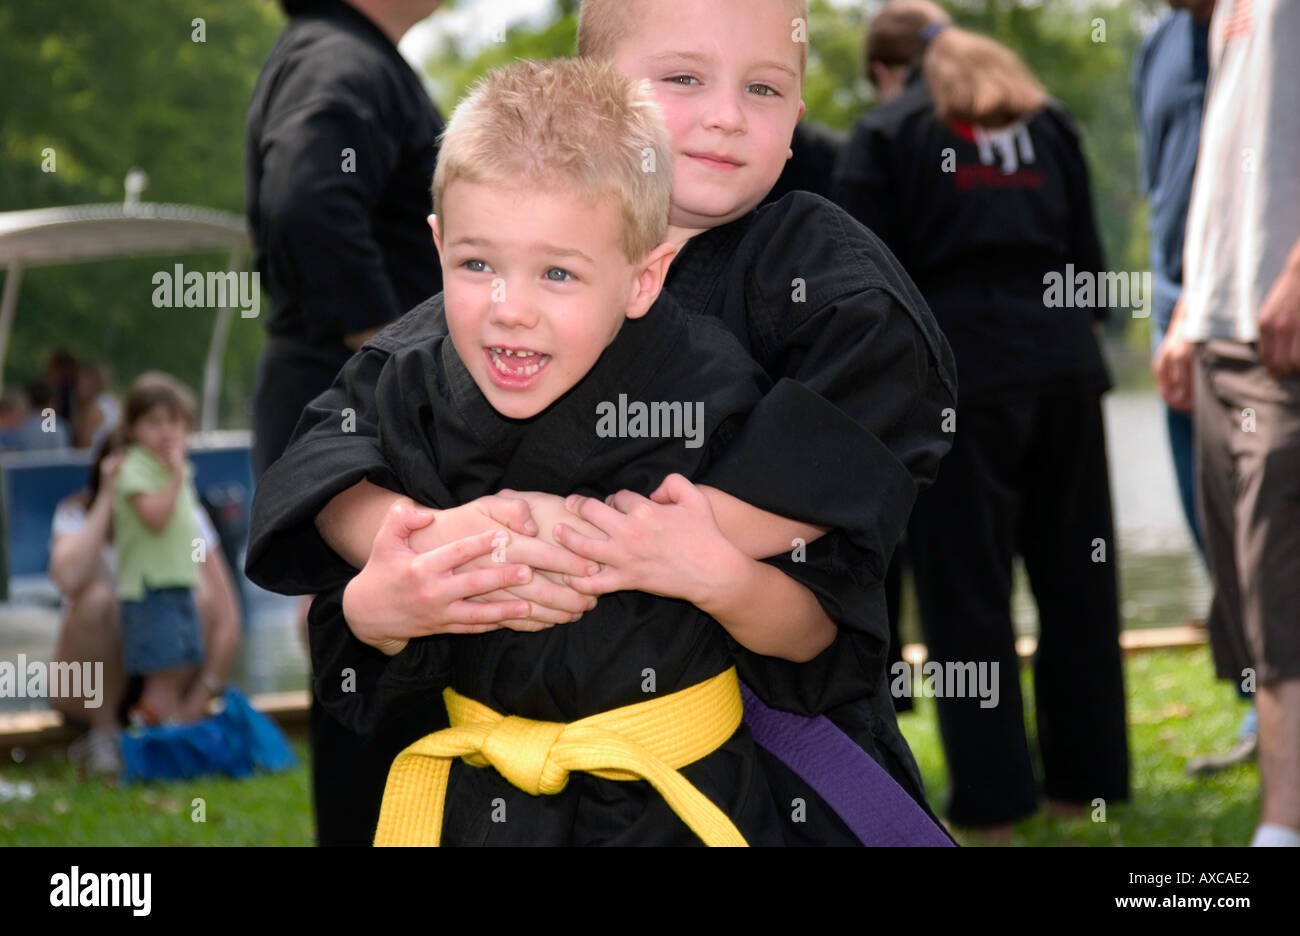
(443, 444)
(340, 146)
(979, 225)
(844, 439)
(341, 143)
(815, 151)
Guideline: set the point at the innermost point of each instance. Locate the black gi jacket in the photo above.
(446, 445)
(845, 438)
(979, 239)
(340, 148)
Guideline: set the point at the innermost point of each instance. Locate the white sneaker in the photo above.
(97, 752)
(1276, 835)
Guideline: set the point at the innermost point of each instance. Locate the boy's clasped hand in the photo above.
(528, 561)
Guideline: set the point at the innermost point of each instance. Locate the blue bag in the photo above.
(234, 742)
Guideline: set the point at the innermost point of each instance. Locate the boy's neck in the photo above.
(394, 19)
(678, 236)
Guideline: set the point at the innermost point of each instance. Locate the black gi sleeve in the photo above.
(851, 667)
(359, 685)
(855, 427)
(335, 445)
(325, 164)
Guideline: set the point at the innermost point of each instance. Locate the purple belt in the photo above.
(868, 800)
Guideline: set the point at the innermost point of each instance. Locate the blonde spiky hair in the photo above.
(571, 124)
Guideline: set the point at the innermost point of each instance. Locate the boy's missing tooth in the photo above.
(547, 250)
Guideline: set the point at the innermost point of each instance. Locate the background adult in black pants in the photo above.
(340, 150)
(976, 180)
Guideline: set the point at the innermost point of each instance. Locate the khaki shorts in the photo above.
(1248, 493)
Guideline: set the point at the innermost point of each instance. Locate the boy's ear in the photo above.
(437, 233)
(803, 108)
(650, 275)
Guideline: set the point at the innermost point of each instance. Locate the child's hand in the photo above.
(502, 511)
(667, 545)
(402, 594)
(174, 455)
(108, 469)
(552, 601)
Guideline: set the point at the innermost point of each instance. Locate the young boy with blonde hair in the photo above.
(851, 429)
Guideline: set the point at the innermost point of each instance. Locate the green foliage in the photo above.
(108, 92)
(1055, 38)
(265, 809)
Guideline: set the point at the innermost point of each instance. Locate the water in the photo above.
(1162, 580)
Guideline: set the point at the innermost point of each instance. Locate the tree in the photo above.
(1056, 38)
(107, 92)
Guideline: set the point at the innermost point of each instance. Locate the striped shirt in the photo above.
(1244, 218)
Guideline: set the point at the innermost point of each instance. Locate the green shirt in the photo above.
(146, 558)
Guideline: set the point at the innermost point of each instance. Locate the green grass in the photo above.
(1176, 710)
(267, 809)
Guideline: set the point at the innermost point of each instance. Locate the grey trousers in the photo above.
(1248, 493)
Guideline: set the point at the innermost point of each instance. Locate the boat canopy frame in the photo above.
(85, 233)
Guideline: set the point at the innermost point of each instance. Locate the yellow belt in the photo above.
(645, 741)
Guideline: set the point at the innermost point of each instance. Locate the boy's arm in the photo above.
(672, 546)
(755, 532)
(765, 611)
(349, 522)
(864, 406)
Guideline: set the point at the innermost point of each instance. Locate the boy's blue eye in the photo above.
(476, 266)
(563, 275)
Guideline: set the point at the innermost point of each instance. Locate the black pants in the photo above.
(1025, 476)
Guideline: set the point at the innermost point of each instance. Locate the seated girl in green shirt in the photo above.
(158, 545)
